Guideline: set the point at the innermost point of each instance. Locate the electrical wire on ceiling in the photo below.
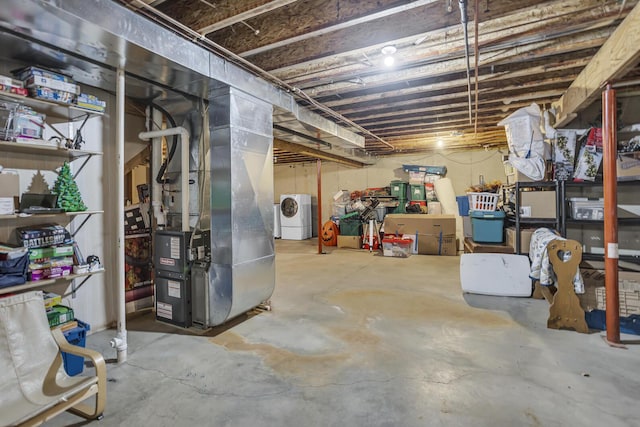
(196, 37)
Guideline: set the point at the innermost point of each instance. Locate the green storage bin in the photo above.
(402, 206)
(399, 189)
(417, 192)
(350, 228)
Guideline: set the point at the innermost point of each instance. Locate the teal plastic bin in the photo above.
(402, 207)
(399, 189)
(487, 226)
(417, 192)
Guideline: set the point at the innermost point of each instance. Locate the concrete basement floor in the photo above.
(357, 339)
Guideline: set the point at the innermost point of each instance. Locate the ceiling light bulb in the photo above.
(388, 50)
(388, 61)
(440, 143)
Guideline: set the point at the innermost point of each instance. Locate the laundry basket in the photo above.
(483, 201)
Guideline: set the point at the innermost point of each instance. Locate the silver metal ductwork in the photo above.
(231, 142)
(242, 273)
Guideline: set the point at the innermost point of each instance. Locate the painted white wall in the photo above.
(463, 168)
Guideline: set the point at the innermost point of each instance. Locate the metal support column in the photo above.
(319, 177)
(610, 186)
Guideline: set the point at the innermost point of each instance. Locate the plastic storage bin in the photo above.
(487, 227)
(396, 247)
(417, 192)
(399, 189)
(483, 201)
(583, 208)
(74, 364)
(350, 227)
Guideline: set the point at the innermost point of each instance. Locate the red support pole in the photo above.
(319, 176)
(610, 152)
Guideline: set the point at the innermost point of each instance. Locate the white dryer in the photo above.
(295, 216)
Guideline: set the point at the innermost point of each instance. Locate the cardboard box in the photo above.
(436, 233)
(9, 193)
(471, 247)
(354, 242)
(525, 238)
(538, 204)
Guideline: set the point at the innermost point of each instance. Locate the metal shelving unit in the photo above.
(518, 220)
(566, 220)
(55, 112)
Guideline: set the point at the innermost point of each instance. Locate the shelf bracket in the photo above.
(84, 221)
(84, 163)
(75, 288)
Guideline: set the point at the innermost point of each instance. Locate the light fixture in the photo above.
(440, 143)
(388, 52)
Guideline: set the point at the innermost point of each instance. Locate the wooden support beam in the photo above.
(619, 54)
(317, 154)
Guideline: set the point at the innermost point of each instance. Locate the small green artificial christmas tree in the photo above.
(66, 188)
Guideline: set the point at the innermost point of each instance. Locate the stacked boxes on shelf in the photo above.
(51, 262)
(49, 85)
(49, 257)
(91, 102)
(7, 84)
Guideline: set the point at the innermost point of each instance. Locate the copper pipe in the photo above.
(319, 176)
(610, 186)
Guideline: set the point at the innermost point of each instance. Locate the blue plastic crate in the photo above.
(74, 364)
(487, 227)
(463, 205)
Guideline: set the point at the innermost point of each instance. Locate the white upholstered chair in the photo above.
(33, 384)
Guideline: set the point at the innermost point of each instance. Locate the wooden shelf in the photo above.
(47, 282)
(52, 109)
(46, 215)
(40, 146)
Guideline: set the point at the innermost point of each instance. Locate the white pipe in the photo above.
(184, 165)
(120, 341)
(156, 161)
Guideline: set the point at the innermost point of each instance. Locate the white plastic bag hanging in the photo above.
(525, 140)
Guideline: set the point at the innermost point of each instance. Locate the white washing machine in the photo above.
(277, 229)
(295, 216)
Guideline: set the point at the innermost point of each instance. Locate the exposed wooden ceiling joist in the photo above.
(529, 51)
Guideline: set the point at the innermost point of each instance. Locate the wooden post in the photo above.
(319, 176)
(610, 186)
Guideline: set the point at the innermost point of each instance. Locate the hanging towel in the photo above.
(541, 268)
